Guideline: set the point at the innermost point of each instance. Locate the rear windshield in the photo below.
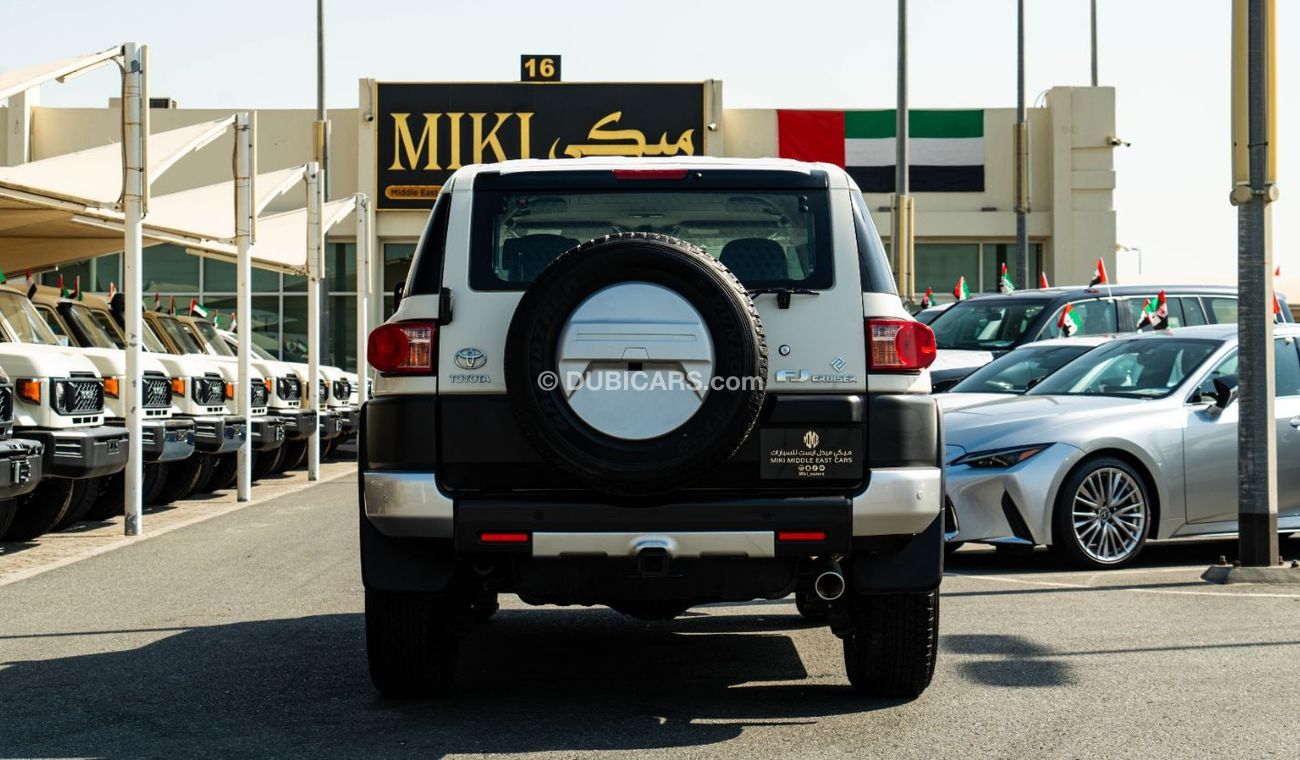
(768, 238)
(986, 324)
(1015, 371)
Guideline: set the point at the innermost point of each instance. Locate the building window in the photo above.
(220, 277)
(169, 269)
(940, 265)
(265, 318)
(997, 254)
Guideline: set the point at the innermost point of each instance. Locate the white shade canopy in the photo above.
(20, 80)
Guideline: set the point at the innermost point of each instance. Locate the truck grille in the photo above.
(288, 388)
(6, 402)
(157, 392)
(324, 391)
(209, 390)
(259, 393)
(78, 396)
(342, 390)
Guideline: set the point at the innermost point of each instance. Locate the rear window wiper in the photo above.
(783, 294)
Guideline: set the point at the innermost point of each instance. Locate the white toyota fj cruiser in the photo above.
(651, 385)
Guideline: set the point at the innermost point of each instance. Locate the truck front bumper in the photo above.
(351, 419)
(299, 424)
(219, 435)
(20, 466)
(82, 452)
(165, 440)
(268, 433)
(331, 424)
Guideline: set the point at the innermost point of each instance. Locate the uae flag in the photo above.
(927, 300)
(1004, 282)
(197, 308)
(1155, 313)
(1069, 324)
(960, 291)
(945, 149)
(1098, 275)
(1042, 280)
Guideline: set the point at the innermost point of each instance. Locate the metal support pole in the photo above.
(363, 293)
(315, 271)
(135, 199)
(244, 220)
(1094, 43)
(1254, 133)
(901, 216)
(1022, 158)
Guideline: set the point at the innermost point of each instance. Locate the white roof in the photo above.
(690, 163)
(15, 81)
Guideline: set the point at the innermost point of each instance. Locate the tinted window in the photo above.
(426, 276)
(1095, 317)
(1226, 366)
(56, 327)
(1193, 314)
(768, 238)
(873, 264)
(1140, 368)
(1014, 371)
(986, 324)
(1130, 312)
(1223, 310)
(1286, 367)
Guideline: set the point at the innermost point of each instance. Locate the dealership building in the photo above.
(404, 139)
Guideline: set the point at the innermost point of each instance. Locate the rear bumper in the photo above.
(219, 435)
(351, 419)
(268, 433)
(298, 423)
(20, 466)
(82, 452)
(896, 501)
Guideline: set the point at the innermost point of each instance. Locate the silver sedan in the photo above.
(1135, 440)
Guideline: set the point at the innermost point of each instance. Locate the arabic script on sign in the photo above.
(624, 142)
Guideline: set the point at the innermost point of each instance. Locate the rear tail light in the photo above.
(899, 345)
(406, 348)
(498, 537)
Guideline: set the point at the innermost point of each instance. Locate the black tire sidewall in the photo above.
(716, 430)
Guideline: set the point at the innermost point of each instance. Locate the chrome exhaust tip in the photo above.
(829, 586)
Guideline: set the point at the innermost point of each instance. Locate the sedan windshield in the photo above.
(985, 324)
(1015, 371)
(1143, 368)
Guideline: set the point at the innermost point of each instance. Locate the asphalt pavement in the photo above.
(243, 635)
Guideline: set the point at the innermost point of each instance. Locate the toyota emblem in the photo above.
(470, 358)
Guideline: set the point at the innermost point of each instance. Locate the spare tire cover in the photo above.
(637, 363)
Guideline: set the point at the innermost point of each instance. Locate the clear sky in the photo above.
(1168, 60)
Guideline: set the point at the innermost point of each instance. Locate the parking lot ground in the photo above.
(243, 635)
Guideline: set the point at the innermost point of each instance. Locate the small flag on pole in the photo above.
(960, 291)
(63, 292)
(3, 279)
(112, 290)
(197, 308)
(1278, 272)
(234, 321)
(157, 301)
(927, 300)
(1042, 280)
(76, 290)
(171, 305)
(1004, 281)
(1099, 275)
(1068, 323)
(1155, 313)
(31, 286)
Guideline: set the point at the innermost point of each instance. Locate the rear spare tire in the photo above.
(636, 363)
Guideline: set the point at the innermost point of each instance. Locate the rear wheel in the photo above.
(40, 510)
(84, 494)
(412, 642)
(812, 607)
(892, 643)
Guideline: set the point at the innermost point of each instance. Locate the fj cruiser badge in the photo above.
(470, 358)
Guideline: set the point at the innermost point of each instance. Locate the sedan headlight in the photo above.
(1001, 457)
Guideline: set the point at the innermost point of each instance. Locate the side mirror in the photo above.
(1035, 381)
(398, 290)
(1225, 391)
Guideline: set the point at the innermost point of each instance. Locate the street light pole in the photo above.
(901, 236)
(135, 204)
(1254, 177)
(1094, 43)
(1021, 144)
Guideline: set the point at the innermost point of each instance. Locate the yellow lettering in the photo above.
(402, 141)
(481, 142)
(454, 163)
(525, 137)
